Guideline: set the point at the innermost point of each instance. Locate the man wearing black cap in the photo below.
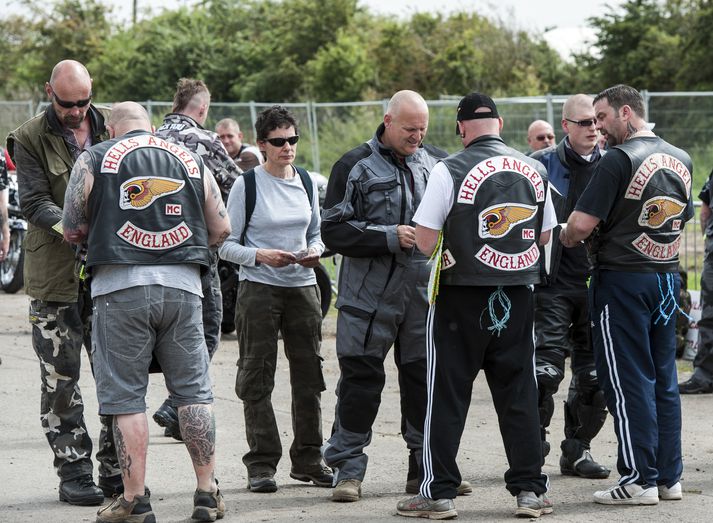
(482, 317)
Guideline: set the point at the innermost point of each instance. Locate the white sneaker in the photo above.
(627, 495)
(673, 493)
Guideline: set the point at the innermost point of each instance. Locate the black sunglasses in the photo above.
(543, 137)
(280, 142)
(69, 105)
(584, 123)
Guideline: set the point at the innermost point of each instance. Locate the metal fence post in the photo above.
(550, 110)
(253, 113)
(312, 111)
(646, 96)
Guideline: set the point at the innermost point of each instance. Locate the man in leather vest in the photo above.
(482, 316)
(44, 150)
(184, 126)
(638, 200)
(160, 209)
(561, 309)
(372, 194)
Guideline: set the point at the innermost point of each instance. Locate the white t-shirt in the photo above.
(438, 200)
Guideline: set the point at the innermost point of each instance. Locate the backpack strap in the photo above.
(251, 194)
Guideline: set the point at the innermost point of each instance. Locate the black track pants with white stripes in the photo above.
(635, 354)
(459, 346)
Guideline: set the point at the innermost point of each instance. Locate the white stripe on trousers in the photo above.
(624, 433)
(427, 462)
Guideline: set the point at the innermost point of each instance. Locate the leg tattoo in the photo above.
(121, 453)
(198, 429)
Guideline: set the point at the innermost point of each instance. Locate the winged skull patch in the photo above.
(138, 193)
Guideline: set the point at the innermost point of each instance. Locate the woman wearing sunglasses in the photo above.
(275, 221)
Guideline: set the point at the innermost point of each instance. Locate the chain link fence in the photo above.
(328, 130)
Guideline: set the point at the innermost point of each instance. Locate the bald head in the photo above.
(575, 104)
(405, 123)
(70, 91)
(126, 117)
(540, 135)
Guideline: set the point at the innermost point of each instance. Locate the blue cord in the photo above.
(498, 324)
(669, 304)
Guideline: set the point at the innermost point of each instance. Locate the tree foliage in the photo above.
(275, 50)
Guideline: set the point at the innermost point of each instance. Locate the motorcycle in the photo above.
(11, 276)
(228, 273)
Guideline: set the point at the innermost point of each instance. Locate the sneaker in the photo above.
(631, 494)
(695, 386)
(584, 467)
(420, 507)
(262, 482)
(463, 489)
(111, 485)
(322, 477)
(530, 505)
(208, 506)
(673, 493)
(81, 491)
(167, 416)
(347, 490)
(119, 510)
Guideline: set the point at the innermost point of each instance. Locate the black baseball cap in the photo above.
(471, 103)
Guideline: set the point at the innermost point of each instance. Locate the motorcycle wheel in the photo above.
(11, 276)
(325, 288)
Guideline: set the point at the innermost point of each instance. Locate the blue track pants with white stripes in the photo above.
(635, 355)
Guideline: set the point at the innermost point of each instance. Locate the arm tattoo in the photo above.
(198, 430)
(121, 453)
(74, 216)
(220, 240)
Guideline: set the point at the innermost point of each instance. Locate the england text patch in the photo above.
(654, 250)
(154, 241)
(508, 262)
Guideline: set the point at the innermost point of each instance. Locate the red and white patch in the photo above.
(676, 225)
(508, 262)
(649, 167)
(654, 250)
(528, 234)
(492, 166)
(116, 154)
(154, 241)
(173, 209)
(447, 260)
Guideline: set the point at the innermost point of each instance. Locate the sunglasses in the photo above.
(543, 137)
(280, 142)
(69, 105)
(584, 123)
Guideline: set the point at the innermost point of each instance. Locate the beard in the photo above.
(72, 122)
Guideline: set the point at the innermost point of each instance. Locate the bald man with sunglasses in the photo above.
(44, 150)
(561, 305)
(540, 135)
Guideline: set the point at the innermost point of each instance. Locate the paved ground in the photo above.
(29, 485)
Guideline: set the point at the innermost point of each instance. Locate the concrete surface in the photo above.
(28, 488)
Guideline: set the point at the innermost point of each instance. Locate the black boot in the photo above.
(80, 491)
(167, 416)
(576, 460)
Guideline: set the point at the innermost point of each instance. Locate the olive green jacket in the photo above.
(44, 163)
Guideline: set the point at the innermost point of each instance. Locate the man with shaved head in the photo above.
(160, 210)
(540, 135)
(246, 156)
(484, 212)
(184, 126)
(372, 194)
(561, 305)
(44, 150)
